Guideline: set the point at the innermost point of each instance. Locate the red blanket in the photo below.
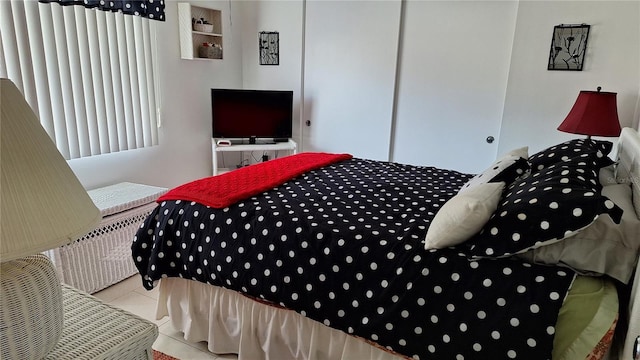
(226, 189)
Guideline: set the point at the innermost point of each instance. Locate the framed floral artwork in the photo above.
(269, 46)
(568, 47)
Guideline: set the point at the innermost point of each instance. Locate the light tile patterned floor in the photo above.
(131, 296)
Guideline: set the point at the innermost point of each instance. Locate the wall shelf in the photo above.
(206, 34)
(191, 40)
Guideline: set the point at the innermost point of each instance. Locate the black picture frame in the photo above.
(568, 47)
(269, 47)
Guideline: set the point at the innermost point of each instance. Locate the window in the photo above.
(88, 74)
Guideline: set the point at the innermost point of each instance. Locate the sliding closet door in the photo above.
(349, 76)
(453, 71)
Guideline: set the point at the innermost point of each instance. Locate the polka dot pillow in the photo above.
(593, 152)
(541, 209)
(509, 167)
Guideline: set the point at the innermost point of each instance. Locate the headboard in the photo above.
(628, 171)
(628, 168)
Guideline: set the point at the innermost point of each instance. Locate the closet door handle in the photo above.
(490, 139)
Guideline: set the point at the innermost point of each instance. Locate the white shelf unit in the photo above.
(190, 40)
(289, 145)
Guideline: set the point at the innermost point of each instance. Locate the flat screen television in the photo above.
(252, 114)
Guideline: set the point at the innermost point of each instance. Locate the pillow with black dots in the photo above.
(507, 168)
(593, 152)
(602, 247)
(543, 208)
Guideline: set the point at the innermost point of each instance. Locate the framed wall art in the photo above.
(568, 47)
(269, 47)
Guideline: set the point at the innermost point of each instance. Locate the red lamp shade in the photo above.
(594, 114)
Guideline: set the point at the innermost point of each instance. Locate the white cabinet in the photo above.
(191, 39)
(349, 76)
(290, 146)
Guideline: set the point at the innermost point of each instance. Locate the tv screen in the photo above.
(242, 114)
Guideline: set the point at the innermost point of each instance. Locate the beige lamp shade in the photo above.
(42, 203)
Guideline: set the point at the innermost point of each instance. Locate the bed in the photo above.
(325, 256)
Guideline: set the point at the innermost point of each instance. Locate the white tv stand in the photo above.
(289, 145)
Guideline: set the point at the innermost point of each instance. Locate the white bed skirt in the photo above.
(233, 323)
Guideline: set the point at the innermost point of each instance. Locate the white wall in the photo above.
(538, 100)
(285, 17)
(184, 150)
(453, 92)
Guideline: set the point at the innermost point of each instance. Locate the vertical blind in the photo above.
(88, 74)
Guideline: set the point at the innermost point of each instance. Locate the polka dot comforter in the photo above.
(343, 245)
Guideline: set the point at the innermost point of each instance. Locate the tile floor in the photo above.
(131, 296)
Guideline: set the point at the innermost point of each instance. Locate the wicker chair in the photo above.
(95, 330)
(86, 328)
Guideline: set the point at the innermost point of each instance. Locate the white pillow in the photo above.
(606, 176)
(603, 247)
(522, 152)
(463, 215)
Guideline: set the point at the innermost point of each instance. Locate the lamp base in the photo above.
(31, 314)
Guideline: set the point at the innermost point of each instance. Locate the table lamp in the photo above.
(42, 206)
(595, 113)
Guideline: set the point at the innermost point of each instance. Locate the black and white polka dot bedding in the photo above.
(546, 207)
(590, 151)
(343, 245)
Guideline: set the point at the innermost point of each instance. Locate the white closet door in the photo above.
(349, 76)
(452, 82)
